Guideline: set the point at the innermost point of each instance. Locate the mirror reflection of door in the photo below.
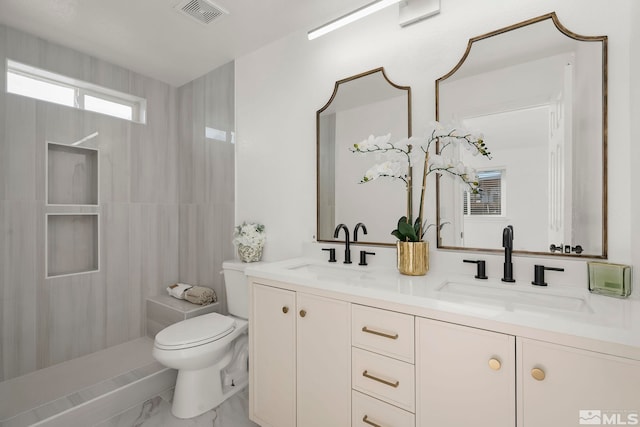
(538, 96)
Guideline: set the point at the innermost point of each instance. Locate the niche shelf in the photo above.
(72, 175)
(72, 243)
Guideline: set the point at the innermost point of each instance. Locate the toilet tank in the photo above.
(237, 287)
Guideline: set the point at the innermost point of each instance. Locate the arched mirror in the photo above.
(538, 92)
(362, 105)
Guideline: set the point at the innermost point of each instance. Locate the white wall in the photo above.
(351, 167)
(279, 88)
(634, 157)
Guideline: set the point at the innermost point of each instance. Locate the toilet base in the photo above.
(198, 391)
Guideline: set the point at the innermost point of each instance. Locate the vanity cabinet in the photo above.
(300, 359)
(328, 359)
(565, 386)
(464, 376)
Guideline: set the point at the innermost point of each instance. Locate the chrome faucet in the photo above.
(507, 244)
(347, 249)
(355, 230)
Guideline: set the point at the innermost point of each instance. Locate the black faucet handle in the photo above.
(363, 257)
(481, 272)
(556, 248)
(538, 274)
(332, 254)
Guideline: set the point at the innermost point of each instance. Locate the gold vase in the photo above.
(413, 258)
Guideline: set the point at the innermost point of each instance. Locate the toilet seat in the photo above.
(194, 332)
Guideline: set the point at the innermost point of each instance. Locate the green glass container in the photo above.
(609, 279)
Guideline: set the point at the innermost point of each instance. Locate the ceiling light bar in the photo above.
(350, 17)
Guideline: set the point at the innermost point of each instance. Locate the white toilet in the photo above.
(210, 351)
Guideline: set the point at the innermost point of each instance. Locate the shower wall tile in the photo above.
(3, 95)
(76, 318)
(207, 165)
(17, 155)
(22, 47)
(42, 314)
(222, 188)
(122, 310)
(154, 179)
(185, 135)
(205, 243)
(18, 305)
(219, 97)
(4, 231)
(153, 250)
(62, 60)
(113, 143)
(108, 75)
(64, 125)
(206, 178)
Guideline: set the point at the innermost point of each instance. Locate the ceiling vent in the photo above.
(202, 11)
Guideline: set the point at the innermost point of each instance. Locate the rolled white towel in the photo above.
(177, 290)
(200, 295)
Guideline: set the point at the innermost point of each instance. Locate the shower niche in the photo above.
(72, 203)
(72, 175)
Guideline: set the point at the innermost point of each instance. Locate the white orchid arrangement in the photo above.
(401, 156)
(249, 234)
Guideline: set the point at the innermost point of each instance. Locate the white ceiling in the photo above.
(152, 38)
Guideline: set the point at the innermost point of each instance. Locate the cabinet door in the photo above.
(465, 376)
(564, 386)
(272, 351)
(324, 362)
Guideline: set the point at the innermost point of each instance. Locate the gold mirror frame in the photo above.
(602, 39)
(319, 234)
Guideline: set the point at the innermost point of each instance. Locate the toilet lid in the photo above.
(195, 331)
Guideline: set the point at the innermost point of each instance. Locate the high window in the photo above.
(44, 85)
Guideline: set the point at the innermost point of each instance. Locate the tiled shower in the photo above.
(164, 210)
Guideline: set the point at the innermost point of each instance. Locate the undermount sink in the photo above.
(512, 297)
(323, 271)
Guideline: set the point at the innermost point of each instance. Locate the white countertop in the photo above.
(568, 316)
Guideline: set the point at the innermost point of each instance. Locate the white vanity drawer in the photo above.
(385, 332)
(384, 378)
(368, 412)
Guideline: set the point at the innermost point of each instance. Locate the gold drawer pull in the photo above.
(303, 313)
(366, 420)
(381, 334)
(380, 380)
(285, 309)
(495, 364)
(538, 374)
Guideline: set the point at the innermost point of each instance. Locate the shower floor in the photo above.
(85, 390)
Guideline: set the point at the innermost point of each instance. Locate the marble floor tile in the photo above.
(156, 412)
